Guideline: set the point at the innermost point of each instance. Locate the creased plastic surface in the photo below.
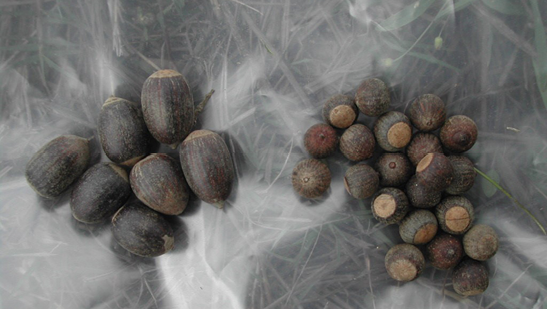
(273, 64)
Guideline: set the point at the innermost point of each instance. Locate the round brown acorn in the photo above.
(435, 171)
(422, 144)
(394, 169)
(389, 205)
(418, 227)
(459, 133)
(455, 215)
(340, 111)
(420, 196)
(427, 113)
(470, 278)
(357, 143)
(361, 181)
(168, 107)
(393, 131)
(311, 178)
(372, 97)
(481, 242)
(464, 175)
(320, 140)
(404, 262)
(444, 251)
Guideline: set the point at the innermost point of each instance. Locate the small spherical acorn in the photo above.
(320, 140)
(393, 131)
(455, 214)
(394, 169)
(427, 112)
(361, 181)
(435, 171)
(470, 278)
(459, 133)
(372, 97)
(56, 165)
(389, 205)
(418, 227)
(357, 143)
(422, 144)
(420, 196)
(340, 111)
(404, 262)
(444, 251)
(464, 175)
(481, 242)
(311, 178)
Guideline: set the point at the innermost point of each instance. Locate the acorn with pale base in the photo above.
(459, 133)
(404, 262)
(389, 205)
(455, 215)
(422, 144)
(340, 111)
(435, 171)
(393, 131)
(418, 227)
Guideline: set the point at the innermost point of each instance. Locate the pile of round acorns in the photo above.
(416, 183)
(161, 183)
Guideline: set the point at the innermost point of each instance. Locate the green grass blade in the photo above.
(540, 63)
(406, 15)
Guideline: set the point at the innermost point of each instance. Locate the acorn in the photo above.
(480, 242)
(444, 251)
(394, 169)
(320, 140)
(340, 111)
(142, 231)
(372, 97)
(422, 144)
(123, 134)
(459, 133)
(435, 171)
(427, 113)
(420, 196)
(158, 181)
(361, 181)
(455, 214)
(207, 166)
(389, 205)
(470, 278)
(418, 227)
(464, 175)
(311, 178)
(404, 262)
(56, 165)
(101, 191)
(168, 107)
(393, 131)
(357, 143)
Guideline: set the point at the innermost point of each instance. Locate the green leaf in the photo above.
(406, 15)
(540, 63)
(506, 7)
(488, 188)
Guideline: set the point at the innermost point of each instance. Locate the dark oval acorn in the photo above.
(422, 144)
(435, 171)
(361, 181)
(158, 181)
(372, 97)
(142, 231)
(427, 112)
(320, 140)
(418, 227)
(394, 169)
(393, 131)
(455, 214)
(444, 251)
(464, 175)
(101, 191)
(168, 107)
(207, 166)
(420, 196)
(470, 278)
(357, 143)
(122, 131)
(56, 165)
(404, 262)
(311, 178)
(459, 133)
(481, 242)
(389, 205)
(340, 111)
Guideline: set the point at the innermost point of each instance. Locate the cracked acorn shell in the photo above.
(340, 111)
(372, 97)
(393, 131)
(311, 178)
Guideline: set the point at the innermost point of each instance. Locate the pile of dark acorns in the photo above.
(421, 187)
(161, 184)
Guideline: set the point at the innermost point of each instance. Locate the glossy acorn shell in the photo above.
(435, 171)
(422, 144)
(311, 178)
(357, 143)
(481, 242)
(123, 134)
(320, 140)
(418, 227)
(394, 169)
(389, 205)
(101, 191)
(459, 133)
(361, 181)
(340, 111)
(56, 165)
(372, 97)
(158, 182)
(427, 113)
(168, 107)
(404, 262)
(470, 278)
(455, 214)
(393, 131)
(207, 166)
(420, 196)
(444, 251)
(464, 175)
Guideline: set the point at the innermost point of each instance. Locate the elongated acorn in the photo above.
(418, 227)
(435, 171)
(142, 231)
(158, 181)
(420, 196)
(357, 143)
(394, 169)
(422, 144)
(444, 251)
(393, 131)
(389, 205)
(464, 175)
(470, 278)
(361, 181)
(427, 113)
(455, 214)
(56, 165)
(101, 191)
(311, 178)
(372, 97)
(207, 166)
(124, 136)
(340, 111)
(321, 140)
(168, 107)
(404, 262)
(459, 133)
(480, 242)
